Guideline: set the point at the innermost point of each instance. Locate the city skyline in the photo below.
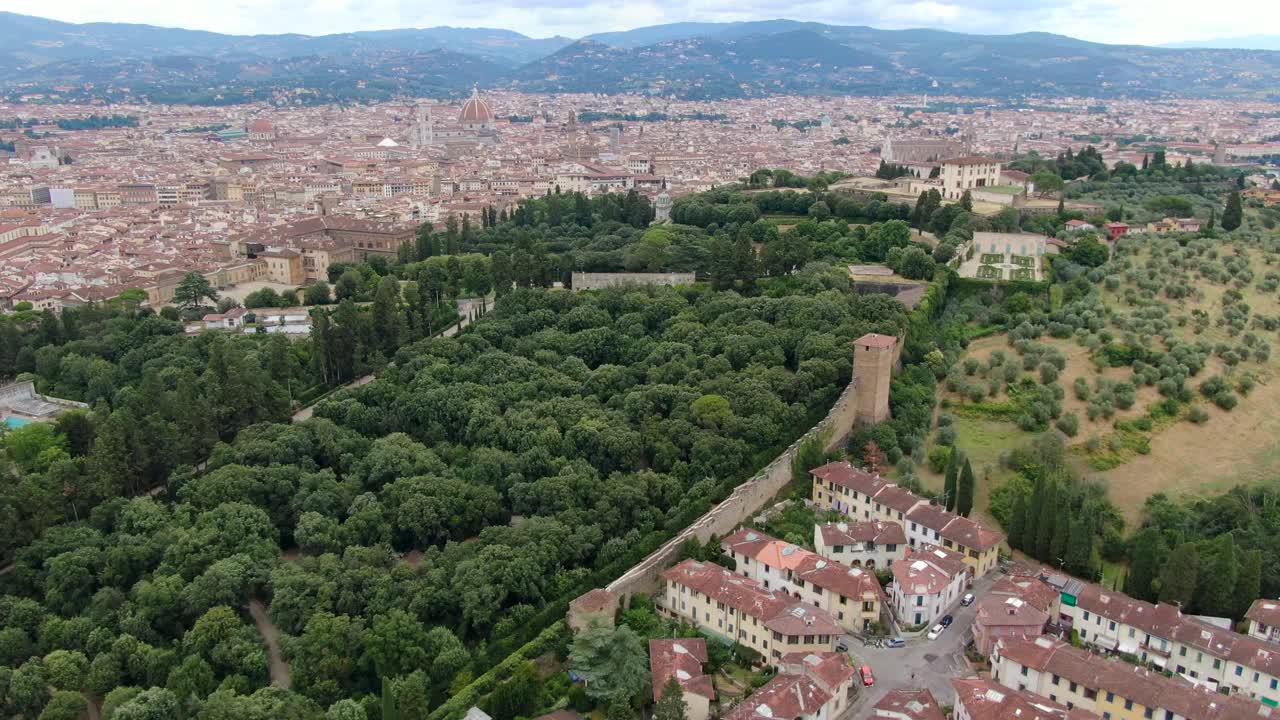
(1106, 21)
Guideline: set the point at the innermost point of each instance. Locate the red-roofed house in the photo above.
(868, 544)
(736, 608)
(927, 583)
(863, 496)
(682, 659)
(905, 704)
(852, 596)
(808, 686)
(1264, 619)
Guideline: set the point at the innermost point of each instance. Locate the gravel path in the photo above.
(271, 636)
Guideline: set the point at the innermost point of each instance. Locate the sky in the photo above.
(1113, 21)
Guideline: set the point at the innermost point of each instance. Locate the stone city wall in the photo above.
(598, 281)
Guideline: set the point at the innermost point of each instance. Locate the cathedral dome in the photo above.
(476, 110)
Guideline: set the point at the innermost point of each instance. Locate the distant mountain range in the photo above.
(1243, 42)
(688, 60)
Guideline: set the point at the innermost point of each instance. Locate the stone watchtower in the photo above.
(873, 358)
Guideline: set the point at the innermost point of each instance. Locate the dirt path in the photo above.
(468, 309)
(91, 706)
(271, 636)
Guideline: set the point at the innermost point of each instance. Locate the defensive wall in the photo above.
(599, 281)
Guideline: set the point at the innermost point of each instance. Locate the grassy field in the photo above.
(1174, 455)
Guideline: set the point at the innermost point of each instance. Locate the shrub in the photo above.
(938, 458)
(1081, 388)
(1213, 386)
(946, 435)
(1198, 415)
(1048, 373)
(1069, 424)
(1225, 400)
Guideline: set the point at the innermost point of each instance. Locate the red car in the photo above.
(867, 678)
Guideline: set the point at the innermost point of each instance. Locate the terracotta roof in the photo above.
(928, 569)
(984, 699)
(1149, 689)
(843, 474)
(808, 682)
(1265, 611)
(971, 160)
(876, 340)
(914, 704)
(874, 531)
(681, 658)
(1009, 610)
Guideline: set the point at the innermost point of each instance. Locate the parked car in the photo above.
(867, 678)
(842, 645)
(937, 631)
(947, 620)
(895, 643)
(967, 600)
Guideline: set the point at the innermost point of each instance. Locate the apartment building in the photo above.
(865, 496)
(1264, 620)
(851, 595)
(808, 686)
(927, 583)
(742, 610)
(984, 699)
(682, 659)
(1016, 607)
(1110, 687)
(962, 174)
(869, 544)
(1204, 654)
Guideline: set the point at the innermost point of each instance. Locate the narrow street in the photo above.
(923, 663)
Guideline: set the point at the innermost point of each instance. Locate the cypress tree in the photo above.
(1031, 519)
(1017, 520)
(1233, 215)
(1045, 524)
(1178, 579)
(951, 480)
(1216, 586)
(965, 489)
(390, 710)
(1147, 555)
(1078, 554)
(1061, 533)
(1248, 582)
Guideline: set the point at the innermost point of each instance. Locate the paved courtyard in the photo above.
(923, 663)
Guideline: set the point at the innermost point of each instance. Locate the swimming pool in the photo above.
(16, 422)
